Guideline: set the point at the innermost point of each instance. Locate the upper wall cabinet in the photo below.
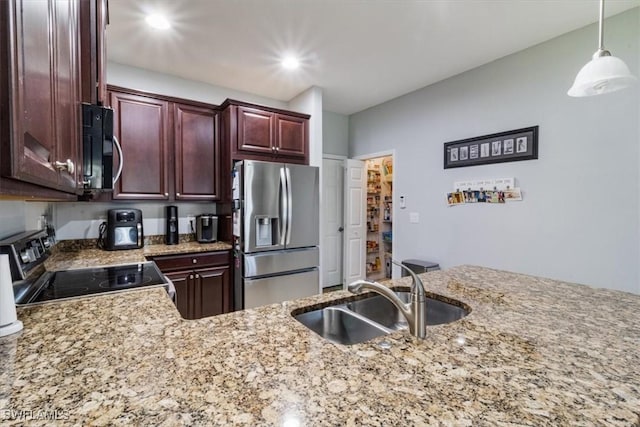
(40, 93)
(262, 133)
(197, 153)
(170, 148)
(141, 125)
(93, 51)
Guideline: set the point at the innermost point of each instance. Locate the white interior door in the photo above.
(355, 223)
(332, 220)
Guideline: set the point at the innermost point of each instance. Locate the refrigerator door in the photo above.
(263, 206)
(303, 211)
(271, 290)
(278, 262)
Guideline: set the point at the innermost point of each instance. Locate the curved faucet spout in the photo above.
(415, 311)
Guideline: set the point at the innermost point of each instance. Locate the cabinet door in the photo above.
(67, 92)
(255, 130)
(291, 136)
(212, 292)
(30, 54)
(141, 125)
(183, 282)
(197, 153)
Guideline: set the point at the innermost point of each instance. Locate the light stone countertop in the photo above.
(84, 258)
(533, 352)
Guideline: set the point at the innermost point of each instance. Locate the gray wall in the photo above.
(17, 216)
(335, 133)
(165, 84)
(579, 220)
(81, 220)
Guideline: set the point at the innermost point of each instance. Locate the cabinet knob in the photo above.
(191, 277)
(277, 149)
(273, 149)
(68, 166)
(195, 261)
(166, 194)
(178, 194)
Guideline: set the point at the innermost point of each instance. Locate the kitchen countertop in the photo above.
(85, 257)
(533, 351)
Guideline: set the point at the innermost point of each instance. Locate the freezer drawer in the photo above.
(271, 290)
(275, 262)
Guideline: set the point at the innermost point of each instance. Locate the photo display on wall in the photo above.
(511, 146)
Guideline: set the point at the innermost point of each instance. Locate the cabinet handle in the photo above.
(195, 261)
(68, 166)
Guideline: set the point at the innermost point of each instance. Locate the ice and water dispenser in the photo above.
(266, 230)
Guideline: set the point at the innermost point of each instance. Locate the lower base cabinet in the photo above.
(202, 282)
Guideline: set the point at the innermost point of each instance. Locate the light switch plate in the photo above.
(414, 217)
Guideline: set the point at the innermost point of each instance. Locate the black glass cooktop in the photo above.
(88, 281)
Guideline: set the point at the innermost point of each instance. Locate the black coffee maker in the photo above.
(171, 233)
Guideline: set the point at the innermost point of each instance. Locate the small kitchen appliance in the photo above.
(98, 143)
(9, 323)
(123, 230)
(206, 228)
(171, 232)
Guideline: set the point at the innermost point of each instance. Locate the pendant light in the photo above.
(604, 73)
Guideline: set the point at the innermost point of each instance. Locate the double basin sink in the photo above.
(358, 321)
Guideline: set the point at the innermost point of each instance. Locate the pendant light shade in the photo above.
(604, 73)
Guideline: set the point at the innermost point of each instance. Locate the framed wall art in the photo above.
(511, 146)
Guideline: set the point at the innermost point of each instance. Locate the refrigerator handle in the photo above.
(289, 205)
(284, 207)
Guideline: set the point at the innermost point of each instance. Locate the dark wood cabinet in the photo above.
(291, 135)
(40, 92)
(202, 282)
(197, 153)
(141, 125)
(93, 51)
(255, 130)
(171, 148)
(261, 133)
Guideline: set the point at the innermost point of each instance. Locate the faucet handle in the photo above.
(417, 286)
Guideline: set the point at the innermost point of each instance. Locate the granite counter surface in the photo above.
(533, 352)
(85, 257)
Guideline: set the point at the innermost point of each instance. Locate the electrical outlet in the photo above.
(414, 217)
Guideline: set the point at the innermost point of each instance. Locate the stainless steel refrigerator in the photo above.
(276, 232)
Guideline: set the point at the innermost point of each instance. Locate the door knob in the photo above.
(340, 229)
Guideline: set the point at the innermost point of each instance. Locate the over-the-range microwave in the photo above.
(98, 142)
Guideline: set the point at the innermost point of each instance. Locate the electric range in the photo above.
(28, 250)
(68, 284)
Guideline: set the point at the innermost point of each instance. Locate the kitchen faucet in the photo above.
(415, 311)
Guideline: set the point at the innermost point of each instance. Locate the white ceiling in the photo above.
(360, 52)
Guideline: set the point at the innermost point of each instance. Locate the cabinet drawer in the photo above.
(168, 263)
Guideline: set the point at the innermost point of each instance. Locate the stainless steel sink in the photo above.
(340, 325)
(382, 311)
(359, 321)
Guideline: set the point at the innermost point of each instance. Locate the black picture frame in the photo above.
(511, 146)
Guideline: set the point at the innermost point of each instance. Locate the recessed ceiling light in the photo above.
(158, 21)
(290, 63)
